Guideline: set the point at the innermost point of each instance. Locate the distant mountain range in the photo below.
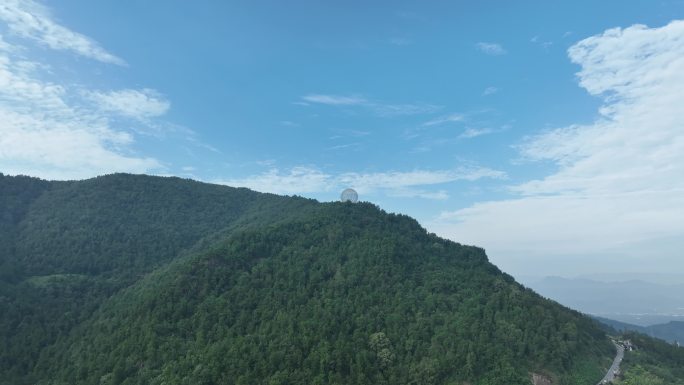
(672, 331)
(634, 302)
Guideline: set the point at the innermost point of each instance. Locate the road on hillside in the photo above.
(616, 365)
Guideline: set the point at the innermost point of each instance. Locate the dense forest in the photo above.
(126, 279)
(654, 362)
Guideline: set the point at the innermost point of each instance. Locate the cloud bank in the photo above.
(300, 180)
(619, 185)
(56, 130)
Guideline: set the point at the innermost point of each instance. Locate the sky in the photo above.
(549, 133)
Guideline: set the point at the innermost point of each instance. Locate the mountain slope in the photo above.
(125, 224)
(16, 196)
(255, 288)
(302, 302)
(67, 246)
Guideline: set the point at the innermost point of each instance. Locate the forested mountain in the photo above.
(126, 279)
(654, 362)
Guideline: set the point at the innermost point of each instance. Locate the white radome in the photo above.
(349, 195)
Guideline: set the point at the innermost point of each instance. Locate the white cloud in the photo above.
(445, 119)
(17, 87)
(544, 44)
(298, 180)
(58, 148)
(334, 100)
(48, 130)
(619, 188)
(30, 20)
(303, 180)
(438, 195)
(397, 180)
(390, 110)
(475, 132)
(137, 104)
(380, 109)
(354, 133)
(493, 49)
(344, 146)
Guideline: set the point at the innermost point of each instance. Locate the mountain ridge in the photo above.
(287, 291)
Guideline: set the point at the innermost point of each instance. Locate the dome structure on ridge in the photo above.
(349, 195)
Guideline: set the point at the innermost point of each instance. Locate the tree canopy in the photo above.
(126, 279)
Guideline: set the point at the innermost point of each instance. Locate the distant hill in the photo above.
(634, 301)
(671, 332)
(132, 279)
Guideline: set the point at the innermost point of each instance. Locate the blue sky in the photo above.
(548, 132)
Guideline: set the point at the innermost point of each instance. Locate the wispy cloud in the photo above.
(451, 118)
(303, 180)
(334, 100)
(190, 136)
(475, 132)
(619, 188)
(137, 104)
(346, 133)
(30, 20)
(298, 180)
(378, 108)
(344, 146)
(59, 130)
(288, 123)
(543, 43)
(390, 110)
(399, 180)
(438, 195)
(490, 91)
(493, 49)
(63, 149)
